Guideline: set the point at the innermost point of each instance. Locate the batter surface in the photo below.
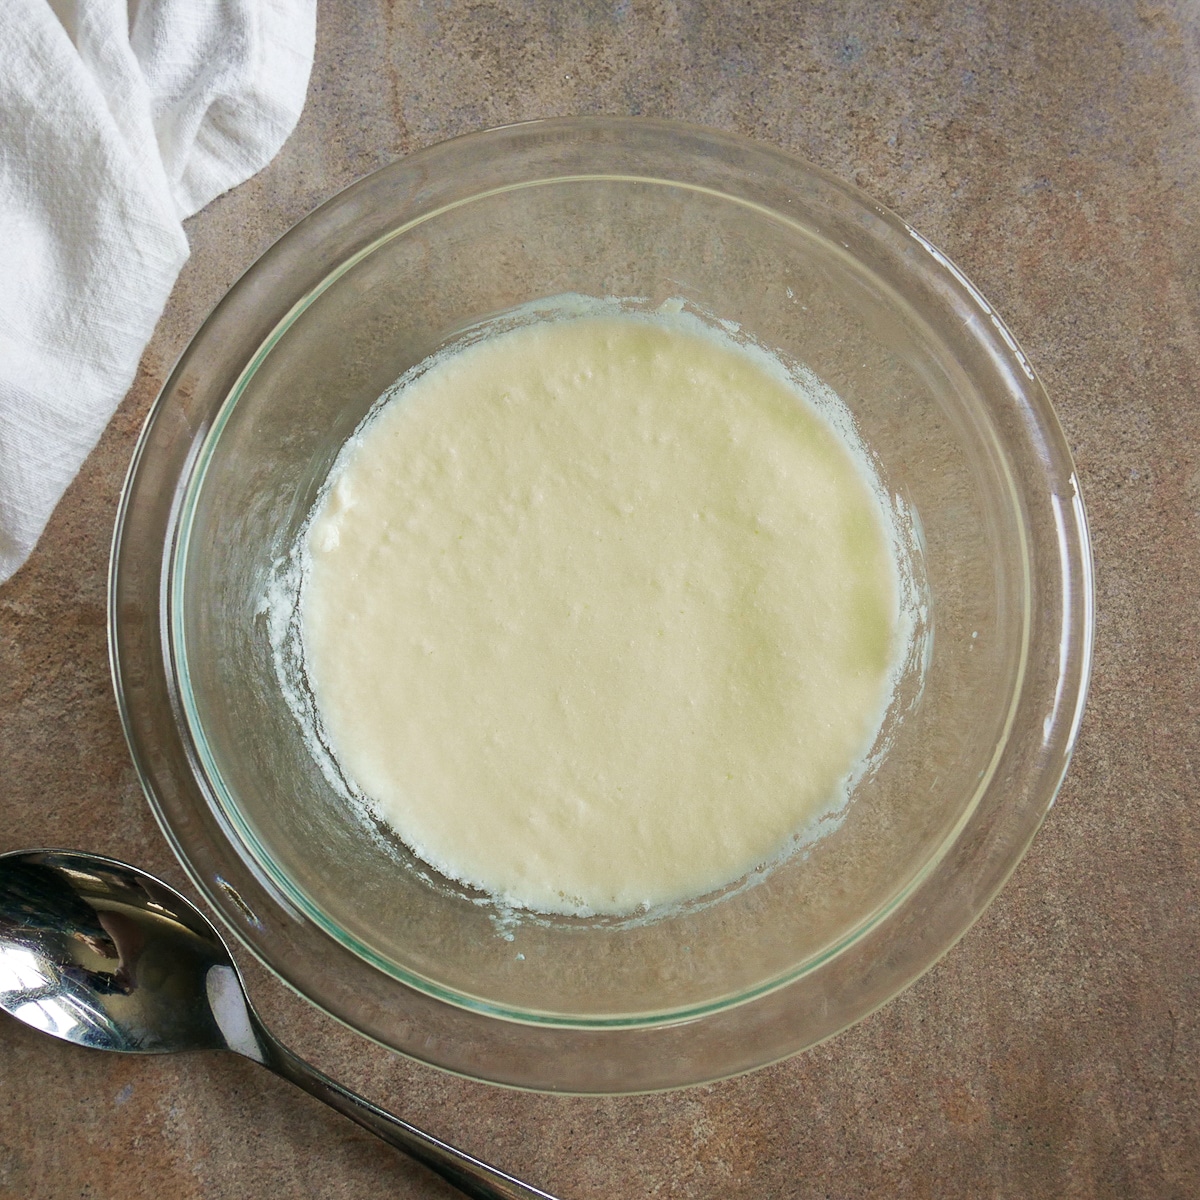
(600, 613)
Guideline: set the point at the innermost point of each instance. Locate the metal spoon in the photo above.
(99, 953)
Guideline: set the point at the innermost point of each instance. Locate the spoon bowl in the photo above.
(99, 953)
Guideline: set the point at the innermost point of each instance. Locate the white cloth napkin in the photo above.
(117, 120)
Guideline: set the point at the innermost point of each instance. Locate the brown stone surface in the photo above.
(1051, 147)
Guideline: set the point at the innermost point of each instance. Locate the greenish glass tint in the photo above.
(400, 265)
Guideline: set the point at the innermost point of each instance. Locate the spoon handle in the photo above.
(470, 1175)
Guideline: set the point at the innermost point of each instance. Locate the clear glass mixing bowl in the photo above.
(395, 267)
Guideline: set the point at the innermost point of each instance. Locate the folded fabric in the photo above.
(116, 121)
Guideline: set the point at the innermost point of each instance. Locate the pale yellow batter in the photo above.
(600, 613)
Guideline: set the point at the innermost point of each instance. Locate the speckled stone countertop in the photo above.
(1052, 148)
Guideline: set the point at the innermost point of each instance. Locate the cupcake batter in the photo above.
(600, 613)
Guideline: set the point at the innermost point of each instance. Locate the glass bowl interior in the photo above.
(405, 263)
